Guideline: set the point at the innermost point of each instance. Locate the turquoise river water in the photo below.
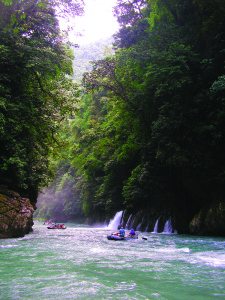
(80, 263)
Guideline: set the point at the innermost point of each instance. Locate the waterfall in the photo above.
(116, 221)
(168, 227)
(146, 229)
(138, 227)
(156, 226)
(128, 222)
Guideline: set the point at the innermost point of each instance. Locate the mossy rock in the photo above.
(16, 214)
(210, 220)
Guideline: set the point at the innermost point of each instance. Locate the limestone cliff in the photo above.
(16, 214)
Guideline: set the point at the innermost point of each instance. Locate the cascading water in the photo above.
(116, 221)
(146, 229)
(138, 227)
(168, 227)
(155, 230)
(128, 222)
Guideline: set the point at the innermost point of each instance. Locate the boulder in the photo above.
(16, 214)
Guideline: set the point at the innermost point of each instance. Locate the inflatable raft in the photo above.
(61, 226)
(121, 238)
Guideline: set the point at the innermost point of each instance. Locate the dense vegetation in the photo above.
(36, 93)
(149, 135)
(85, 54)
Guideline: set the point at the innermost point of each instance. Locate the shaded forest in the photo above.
(147, 135)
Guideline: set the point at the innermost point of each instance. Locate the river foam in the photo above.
(80, 263)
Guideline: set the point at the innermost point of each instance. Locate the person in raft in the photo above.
(132, 233)
(122, 231)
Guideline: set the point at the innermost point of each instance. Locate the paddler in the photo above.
(122, 231)
(132, 233)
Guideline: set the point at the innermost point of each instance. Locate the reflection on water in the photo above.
(80, 263)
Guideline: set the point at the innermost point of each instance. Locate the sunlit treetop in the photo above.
(13, 13)
(129, 11)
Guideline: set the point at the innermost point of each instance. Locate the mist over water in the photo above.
(80, 263)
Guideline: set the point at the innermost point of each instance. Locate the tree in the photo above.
(164, 80)
(35, 90)
(131, 15)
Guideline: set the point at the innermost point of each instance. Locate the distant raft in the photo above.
(57, 226)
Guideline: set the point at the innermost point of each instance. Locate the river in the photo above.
(80, 263)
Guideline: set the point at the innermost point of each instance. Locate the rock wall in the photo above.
(210, 220)
(16, 214)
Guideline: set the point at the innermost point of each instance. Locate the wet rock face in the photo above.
(16, 214)
(210, 220)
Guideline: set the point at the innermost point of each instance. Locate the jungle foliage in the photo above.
(154, 126)
(36, 92)
(150, 128)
